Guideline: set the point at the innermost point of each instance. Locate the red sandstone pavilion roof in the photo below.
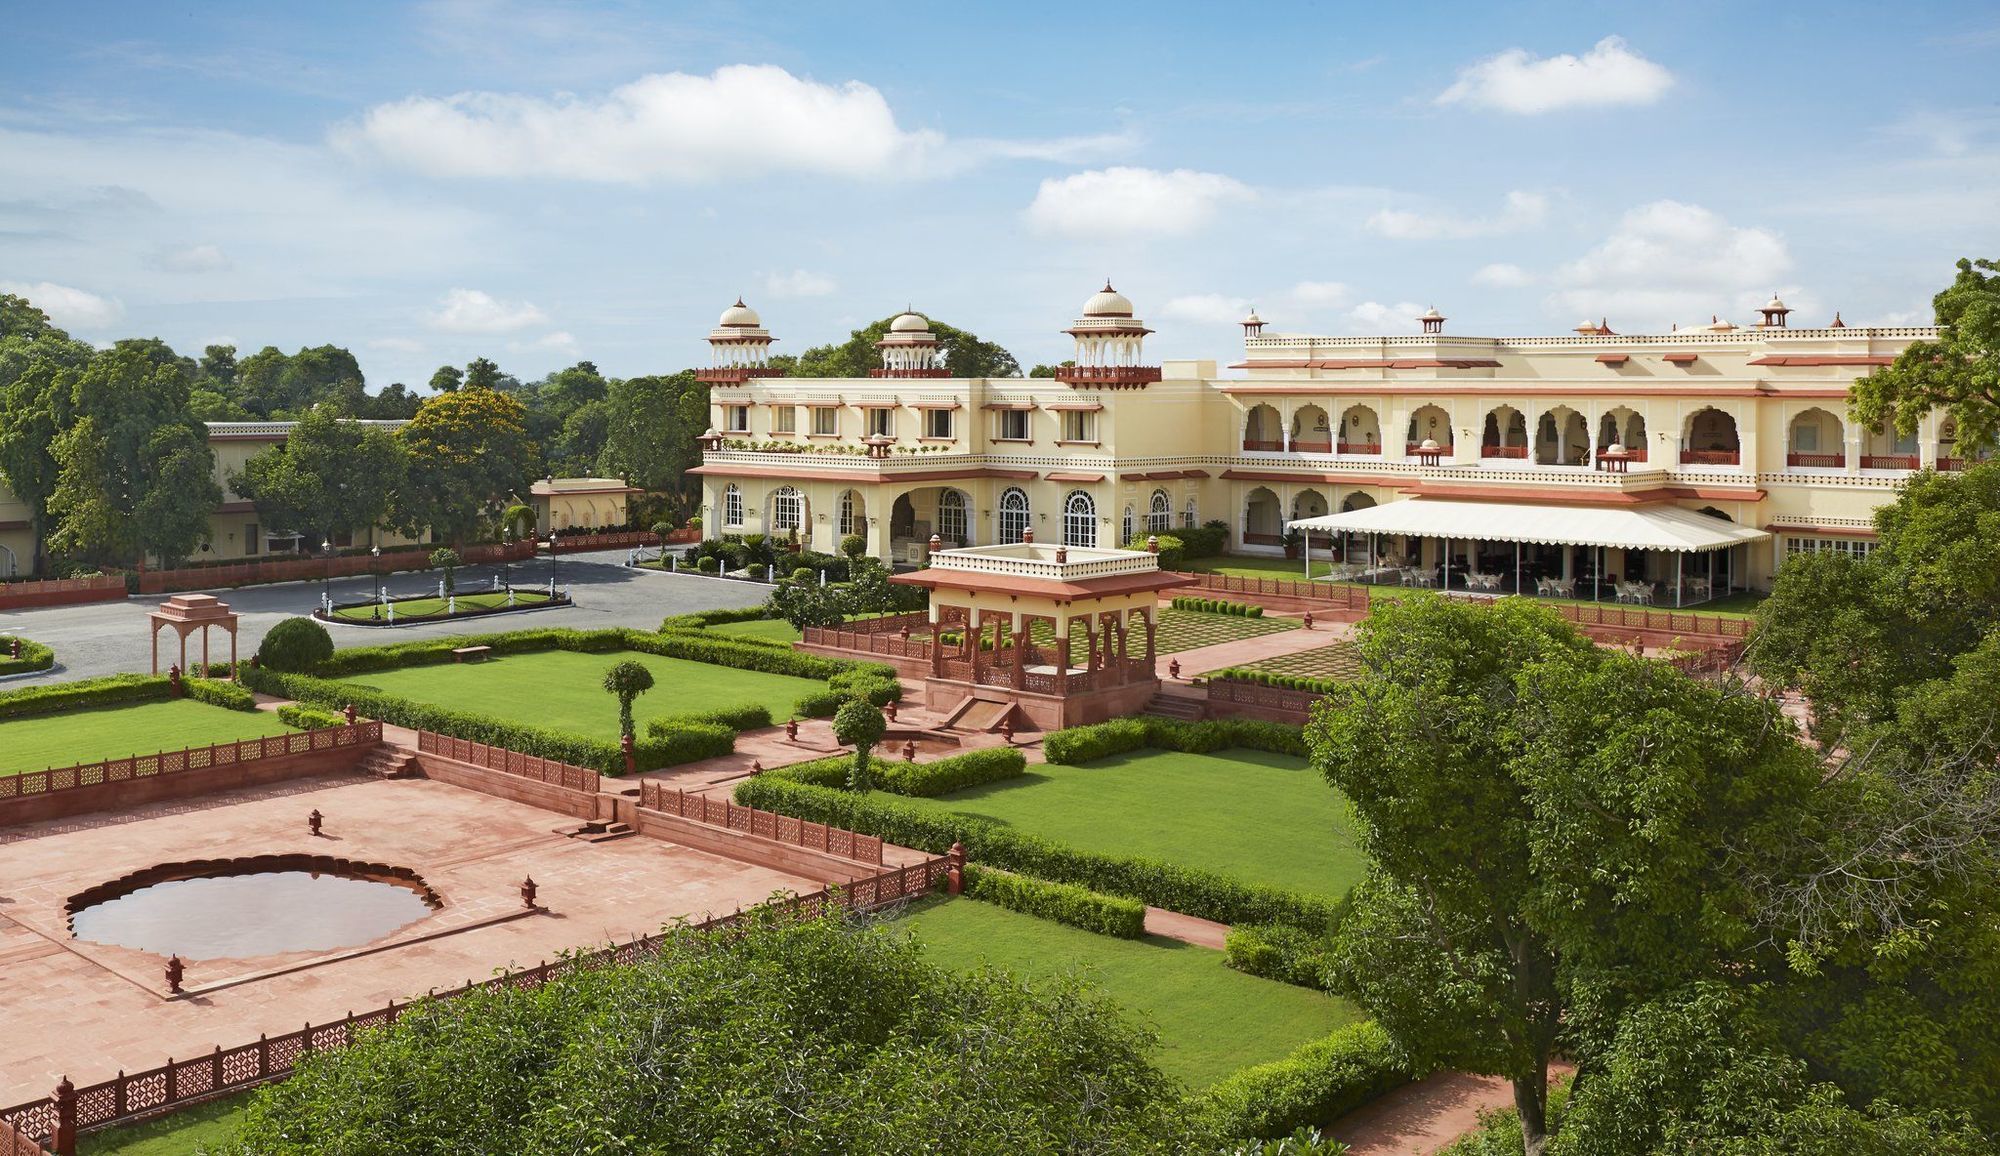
(1064, 573)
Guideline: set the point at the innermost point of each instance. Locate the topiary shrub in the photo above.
(706, 564)
(295, 646)
(34, 656)
(216, 692)
(953, 772)
(859, 724)
(853, 545)
(1218, 606)
(307, 718)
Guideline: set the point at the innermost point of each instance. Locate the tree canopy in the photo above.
(468, 451)
(965, 354)
(1959, 373)
(811, 1037)
(329, 476)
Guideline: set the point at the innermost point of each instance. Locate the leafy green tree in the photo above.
(804, 602)
(447, 379)
(1050, 370)
(1958, 373)
(859, 723)
(481, 374)
(965, 354)
(627, 680)
(177, 495)
(37, 364)
(395, 403)
(272, 383)
(650, 431)
(815, 1036)
(468, 450)
(330, 475)
(1550, 828)
(217, 368)
(580, 443)
(446, 559)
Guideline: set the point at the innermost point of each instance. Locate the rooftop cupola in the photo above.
(1253, 325)
(1773, 312)
(1432, 320)
(909, 349)
(739, 347)
(1110, 345)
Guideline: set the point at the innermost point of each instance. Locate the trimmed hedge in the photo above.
(694, 647)
(703, 619)
(1100, 740)
(1205, 541)
(112, 690)
(34, 656)
(295, 645)
(951, 773)
(216, 692)
(1277, 951)
(1281, 681)
(942, 776)
(736, 718)
(1112, 915)
(1316, 1084)
(684, 742)
(1218, 606)
(1190, 890)
(307, 718)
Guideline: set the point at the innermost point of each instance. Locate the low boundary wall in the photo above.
(60, 592)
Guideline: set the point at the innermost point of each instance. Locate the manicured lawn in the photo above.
(1211, 1019)
(772, 629)
(1249, 566)
(113, 732)
(1259, 817)
(422, 607)
(564, 689)
(204, 1127)
(1187, 629)
(1342, 660)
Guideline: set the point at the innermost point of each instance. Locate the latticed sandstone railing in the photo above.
(1255, 694)
(60, 591)
(60, 1117)
(1684, 623)
(569, 543)
(112, 772)
(1335, 594)
(887, 644)
(509, 762)
(14, 1142)
(295, 569)
(834, 841)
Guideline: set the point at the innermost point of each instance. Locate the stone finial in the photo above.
(528, 890)
(1062, 554)
(175, 972)
(1152, 543)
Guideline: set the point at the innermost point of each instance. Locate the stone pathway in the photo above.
(1186, 928)
(1425, 1116)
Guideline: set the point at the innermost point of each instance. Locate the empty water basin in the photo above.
(266, 905)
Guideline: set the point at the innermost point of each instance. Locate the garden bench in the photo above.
(471, 653)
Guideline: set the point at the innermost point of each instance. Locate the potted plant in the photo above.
(1292, 541)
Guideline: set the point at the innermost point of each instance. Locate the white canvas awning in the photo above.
(1654, 528)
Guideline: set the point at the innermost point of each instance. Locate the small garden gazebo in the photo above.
(186, 613)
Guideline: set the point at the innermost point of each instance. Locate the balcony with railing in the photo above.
(1803, 461)
(1711, 457)
(1498, 451)
(1370, 449)
(1889, 461)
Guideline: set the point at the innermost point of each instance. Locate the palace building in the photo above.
(1589, 451)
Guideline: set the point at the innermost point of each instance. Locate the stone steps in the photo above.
(1175, 707)
(389, 762)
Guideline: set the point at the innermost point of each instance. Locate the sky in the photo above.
(545, 182)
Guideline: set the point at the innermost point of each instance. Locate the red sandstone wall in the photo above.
(514, 788)
(178, 785)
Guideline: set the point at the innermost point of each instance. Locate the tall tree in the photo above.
(447, 378)
(1958, 373)
(395, 402)
(468, 451)
(965, 354)
(37, 361)
(482, 374)
(650, 433)
(330, 475)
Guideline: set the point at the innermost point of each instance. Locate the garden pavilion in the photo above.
(1570, 551)
(1066, 634)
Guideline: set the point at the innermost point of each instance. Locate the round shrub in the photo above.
(804, 574)
(853, 545)
(295, 646)
(706, 564)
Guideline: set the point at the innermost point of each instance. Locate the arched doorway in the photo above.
(851, 514)
(1710, 439)
(1013, 514)
(1428, 423)
(1261, 429)
(1360, 431)
(1883, 448)
(1562, 438)
(1160, 513)
(1816, 439)
(1310, 432)
(1623, 426)
(1505, 435)
(1263, 518)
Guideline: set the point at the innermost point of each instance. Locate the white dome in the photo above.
(739, 316)
(1774, 303)
(1107, 302)
(909, 323)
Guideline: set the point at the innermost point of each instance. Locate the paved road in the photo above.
(110, 637)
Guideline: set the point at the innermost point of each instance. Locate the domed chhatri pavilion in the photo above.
(1576, 459)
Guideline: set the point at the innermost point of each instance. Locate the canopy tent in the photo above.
(1668, 529)
(1659, 528)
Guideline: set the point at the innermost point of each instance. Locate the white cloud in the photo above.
(1522, 211)
(1132, 202)
(190, 259)
(557, 342)
(475, 311)
(799, 283)
(69, 307)
(1375, 317)
(1207, 309)
(1327, 294)
(1516, 82)
(1501, 275)
(1669, 261)
(741, 120)
(396, 344)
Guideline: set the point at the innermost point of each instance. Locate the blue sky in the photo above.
(538, 183)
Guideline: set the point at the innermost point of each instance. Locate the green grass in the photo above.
(564, 689)
(1340, 661)
(204, 1127)
(773, 629)
(1247, 566)
(113, 732)
(1188, 629)
(1211, 1020)
(1258, 817)
(423, 607)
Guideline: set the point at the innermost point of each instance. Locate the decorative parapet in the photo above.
(1038, 560)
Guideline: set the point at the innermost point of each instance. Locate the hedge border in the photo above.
(83, 694)
(1086, 744)
(34, 656)
(1272, 678)
(920, 780)
(1217, 606)
(1315, 1085)
(1065, 903)
(1278, 951)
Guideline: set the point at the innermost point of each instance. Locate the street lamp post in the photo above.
(507, 558)
(375, 572)
(552, 565)
(326, 576)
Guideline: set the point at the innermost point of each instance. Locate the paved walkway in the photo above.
(1186, 928)
(1427, 1115)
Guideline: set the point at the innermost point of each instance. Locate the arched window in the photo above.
(1013, 515)
(852, 520)
(1079, 520)
(788, 509)
(1190, 513)
(951, 517)
(1160, 518)
(1129, 528)
(732, 505)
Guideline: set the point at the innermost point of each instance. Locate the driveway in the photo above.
(110, 637)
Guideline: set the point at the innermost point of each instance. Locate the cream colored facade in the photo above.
(1748, 421)
(234, 529)
(583, 504)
